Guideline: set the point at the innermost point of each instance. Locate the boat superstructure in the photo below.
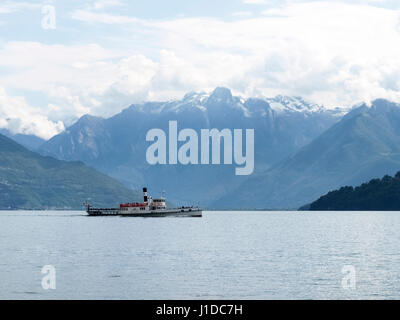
(148, 208)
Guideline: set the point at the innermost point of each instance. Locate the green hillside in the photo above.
(376, 195)
(31, 181)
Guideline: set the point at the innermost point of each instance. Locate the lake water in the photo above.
(224, 255)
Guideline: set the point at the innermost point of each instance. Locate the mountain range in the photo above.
(117, 145)
(302, 150)
(31, 181)
(364, 144)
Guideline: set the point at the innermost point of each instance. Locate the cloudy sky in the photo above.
(62, 59)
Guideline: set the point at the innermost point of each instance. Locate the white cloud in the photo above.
(18, 116)
(96, 17)
(305, 49)
(68, 75)
(102, 4)
(242, 14)
(13, 6)
(330, 52)
(255, 1)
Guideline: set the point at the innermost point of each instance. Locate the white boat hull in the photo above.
(173, 212)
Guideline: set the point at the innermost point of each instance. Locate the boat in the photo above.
(148, 208)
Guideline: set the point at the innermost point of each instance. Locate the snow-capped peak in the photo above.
(292, 104)
(223, 98)
(281, 104)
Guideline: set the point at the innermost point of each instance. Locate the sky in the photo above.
(62, 59)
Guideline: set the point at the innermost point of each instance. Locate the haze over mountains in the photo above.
(302, 150)
(29, 141)
(117, 145)
(365, 144)
(31, 181)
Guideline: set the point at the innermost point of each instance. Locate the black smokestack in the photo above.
(144, 194)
